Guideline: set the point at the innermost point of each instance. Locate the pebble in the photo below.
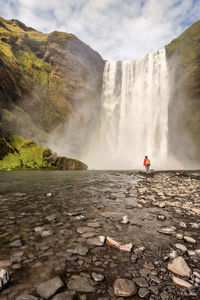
(88, 234)
(26, 297)
(179, 236)
(183, 225)
(82, 230)
(142, 282)
(189, 239)
(39, 229)
(48, 288)
(97, 277)
(166, 230)
(195, 225)
(80, 250)
(68, 295)
(111, 242)
(182, 282)
(97, 241)
(16, 243)
(144, 272)
(191, 253)
(46, 233)
(181, 247)
(94, 224)
(125, 220)
(143, 292)
(154, 290)
(161, 217)
(179, 266)
(155, 278)
(50, 218)
(124, 288)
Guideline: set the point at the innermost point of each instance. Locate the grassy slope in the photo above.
(41, 78)
(183, 56)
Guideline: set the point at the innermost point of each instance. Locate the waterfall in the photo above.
(134, 115)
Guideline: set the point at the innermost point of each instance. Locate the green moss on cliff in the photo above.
(27, 155)
(183, 56)
(19, 153)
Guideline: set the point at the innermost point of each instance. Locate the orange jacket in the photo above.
(145, 162)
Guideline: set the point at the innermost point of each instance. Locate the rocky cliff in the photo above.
(44, 78)
(183, 56)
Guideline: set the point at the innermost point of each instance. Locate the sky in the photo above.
(117, 29)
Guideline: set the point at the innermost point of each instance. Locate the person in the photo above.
(147, 164)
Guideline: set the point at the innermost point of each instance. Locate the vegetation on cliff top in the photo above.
(183, 56)
(19, 153)
(42, 78)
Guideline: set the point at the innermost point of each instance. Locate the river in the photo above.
(48, 214)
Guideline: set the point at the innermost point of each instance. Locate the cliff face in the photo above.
(183, 56)
(44, 78)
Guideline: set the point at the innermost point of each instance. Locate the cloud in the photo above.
(117, 29)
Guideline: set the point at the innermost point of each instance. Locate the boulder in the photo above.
(64, 163)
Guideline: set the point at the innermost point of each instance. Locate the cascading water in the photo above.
(134, 115)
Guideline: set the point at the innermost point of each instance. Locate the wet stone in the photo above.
(179, 266)
(181, 247)
(46, 233)
(26, 297)
(182, 282)
(80, 250)
(94, 224)
(85, 229)
(167, 230)
(68, 295)
(135, 274)
(97, 277)
(189, 239)
(143, 292)
(97, 241)
(154, 290)
(16, 243)
(183, 225)
(161, 217)
(155, 278)
(144, 272)
(124, 288)
(4, 278)
(81, 284)
(125, 220)
(48, 288)
(88, 234)
(142, 282)
(50, 218)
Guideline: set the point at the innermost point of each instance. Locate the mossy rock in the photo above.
(5, 148)
(26, 154)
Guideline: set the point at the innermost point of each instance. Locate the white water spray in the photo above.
(134, 115)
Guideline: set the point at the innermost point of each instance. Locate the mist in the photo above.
(133, 118)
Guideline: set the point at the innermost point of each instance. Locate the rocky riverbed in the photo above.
(99, 235)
